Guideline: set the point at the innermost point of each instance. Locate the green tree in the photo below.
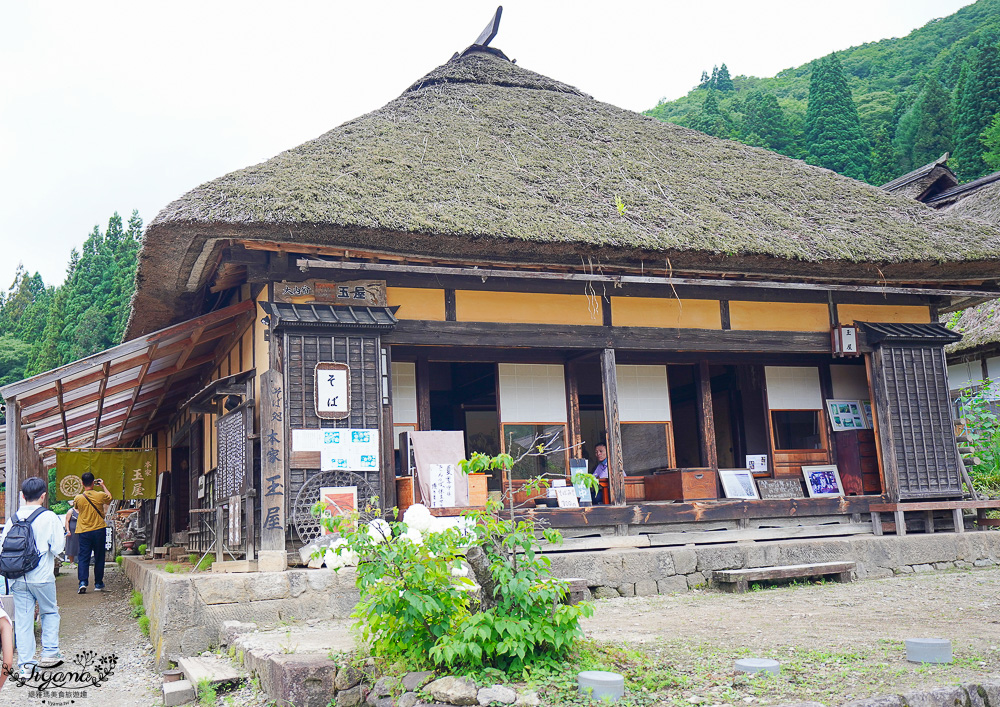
(883, 160)
(723, 82)
(991, 141)
(977, 100)
(924, 132)
(712, 120)
(834, 138)
(764, 122)
(14, 355)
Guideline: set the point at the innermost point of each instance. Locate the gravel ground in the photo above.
(100, 622)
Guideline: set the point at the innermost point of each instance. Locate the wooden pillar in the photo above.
(706, 414)
(387, 442)
(13, 462)
(273, 472)
(616, 463)
(573, 395)
(423, 371)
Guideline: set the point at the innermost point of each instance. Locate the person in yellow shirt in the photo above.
(92, 531)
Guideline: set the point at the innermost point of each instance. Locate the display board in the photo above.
(231, 474)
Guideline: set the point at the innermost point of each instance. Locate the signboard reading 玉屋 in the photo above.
(333, 390)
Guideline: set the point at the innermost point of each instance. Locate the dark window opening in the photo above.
(796, 429)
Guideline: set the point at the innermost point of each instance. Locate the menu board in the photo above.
(349, 450)
(230, 477)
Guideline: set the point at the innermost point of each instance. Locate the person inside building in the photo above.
(92, 531)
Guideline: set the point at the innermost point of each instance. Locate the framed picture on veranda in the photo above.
(823, 480)
(738, 483)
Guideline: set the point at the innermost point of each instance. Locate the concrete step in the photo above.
(213, 668)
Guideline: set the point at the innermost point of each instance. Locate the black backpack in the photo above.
(19, 554)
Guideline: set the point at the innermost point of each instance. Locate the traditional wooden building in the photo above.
(499, 255)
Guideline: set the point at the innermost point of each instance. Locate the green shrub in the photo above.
(171, 567)
(192, 558)
(144, 625)
(982, 427)
(205, 564)
(207, 696)
(143, 548)
(120, 560)
(417, 604)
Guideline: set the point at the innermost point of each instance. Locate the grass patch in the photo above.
(144, 625)
(671, 673)
(205, 564)
(171, 568)
(120, 560)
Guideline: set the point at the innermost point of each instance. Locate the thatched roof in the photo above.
(924, 182)
(482, 157)
(978, 200)
(979, 327)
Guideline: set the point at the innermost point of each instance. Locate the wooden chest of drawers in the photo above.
(682, 485)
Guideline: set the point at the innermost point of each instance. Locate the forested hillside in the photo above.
(915, 97)
(42, 327)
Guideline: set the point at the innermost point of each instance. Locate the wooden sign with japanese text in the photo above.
(366, 293)
(272, 461)
(780, 488)
(333, 390)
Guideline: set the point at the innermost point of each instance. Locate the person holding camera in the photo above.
(92, 531)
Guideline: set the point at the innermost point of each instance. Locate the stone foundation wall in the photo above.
(186, 611)
(648, 571)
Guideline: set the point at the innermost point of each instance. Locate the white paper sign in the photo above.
(757, 462)
(566, 497)
(332, 391)
(349, 450)
(442, 478)
(849, 340)
(235, 513)
(307, 440)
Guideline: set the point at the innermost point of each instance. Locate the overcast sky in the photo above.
(114, 106)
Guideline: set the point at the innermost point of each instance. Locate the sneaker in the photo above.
(50, 661)
(25, 672)
(82, 589)
(98, 587)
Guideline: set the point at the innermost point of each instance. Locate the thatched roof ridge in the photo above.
(979, 199)
(482, 157)
(979, 326)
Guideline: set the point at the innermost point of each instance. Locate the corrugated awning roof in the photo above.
(331, 315)
(114, 397)
(933, 333)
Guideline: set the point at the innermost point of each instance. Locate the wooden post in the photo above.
(13, 463)
(273, 464)
(423, 371)
(573, 395)
(706, 413)
(219, 537)
(616, 463)
(388, 466)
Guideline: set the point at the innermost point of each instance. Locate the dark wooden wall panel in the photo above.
(916, 425)
(362, 353)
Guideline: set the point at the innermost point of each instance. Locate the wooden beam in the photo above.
(478, 334)
(135, 394)
(616, 461)
(62, 411)
(573, 395)
(100, 400)
(706, 416)
(613, 279)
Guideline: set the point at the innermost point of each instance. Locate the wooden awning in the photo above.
(116, 396)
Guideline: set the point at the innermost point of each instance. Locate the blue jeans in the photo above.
(25, 597)
(91, 542)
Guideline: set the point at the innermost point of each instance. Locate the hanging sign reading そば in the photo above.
(333, 390)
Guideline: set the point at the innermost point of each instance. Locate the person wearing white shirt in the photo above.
(39, 585)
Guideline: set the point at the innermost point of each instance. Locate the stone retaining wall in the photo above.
(648, 571)
(186, 610)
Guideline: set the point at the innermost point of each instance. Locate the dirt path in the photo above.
(962, 606)
(102, 623)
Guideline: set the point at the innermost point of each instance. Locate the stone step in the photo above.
(213, 668)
